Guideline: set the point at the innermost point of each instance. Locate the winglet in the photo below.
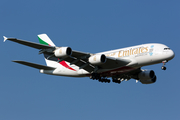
(5, 38)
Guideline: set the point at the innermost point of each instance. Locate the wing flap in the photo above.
(34, 65)
(72, 60)
(82, 64)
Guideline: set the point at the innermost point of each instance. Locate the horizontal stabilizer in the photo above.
(37, 66)
(30, 44)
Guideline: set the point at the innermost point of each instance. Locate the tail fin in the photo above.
(44, 39)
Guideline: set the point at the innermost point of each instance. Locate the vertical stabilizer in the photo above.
(45, 40)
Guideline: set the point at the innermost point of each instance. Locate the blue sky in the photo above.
(89, 26)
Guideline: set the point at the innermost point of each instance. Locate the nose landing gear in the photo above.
(163, 67)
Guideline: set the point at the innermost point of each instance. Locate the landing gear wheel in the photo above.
(163, 68)
(95, 76)
(116, 80)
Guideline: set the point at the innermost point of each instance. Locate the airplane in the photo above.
(120, 64)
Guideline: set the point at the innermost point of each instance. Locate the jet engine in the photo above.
(147, 77)
(63, 52)
(97, 59)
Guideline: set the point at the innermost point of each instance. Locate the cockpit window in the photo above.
(166, 48)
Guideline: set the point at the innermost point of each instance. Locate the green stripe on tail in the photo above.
(42, 42)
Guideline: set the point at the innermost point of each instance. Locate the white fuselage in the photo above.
(141, 55)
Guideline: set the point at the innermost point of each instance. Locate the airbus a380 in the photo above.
(120, 64)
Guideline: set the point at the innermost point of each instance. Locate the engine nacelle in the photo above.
(97, 59)
(147, 77)
(149, 81)
(63, 52)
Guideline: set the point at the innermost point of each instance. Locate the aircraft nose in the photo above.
(171, 54)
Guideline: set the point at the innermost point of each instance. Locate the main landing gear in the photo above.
(96, 76)
(164, 62)
(116, 80)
